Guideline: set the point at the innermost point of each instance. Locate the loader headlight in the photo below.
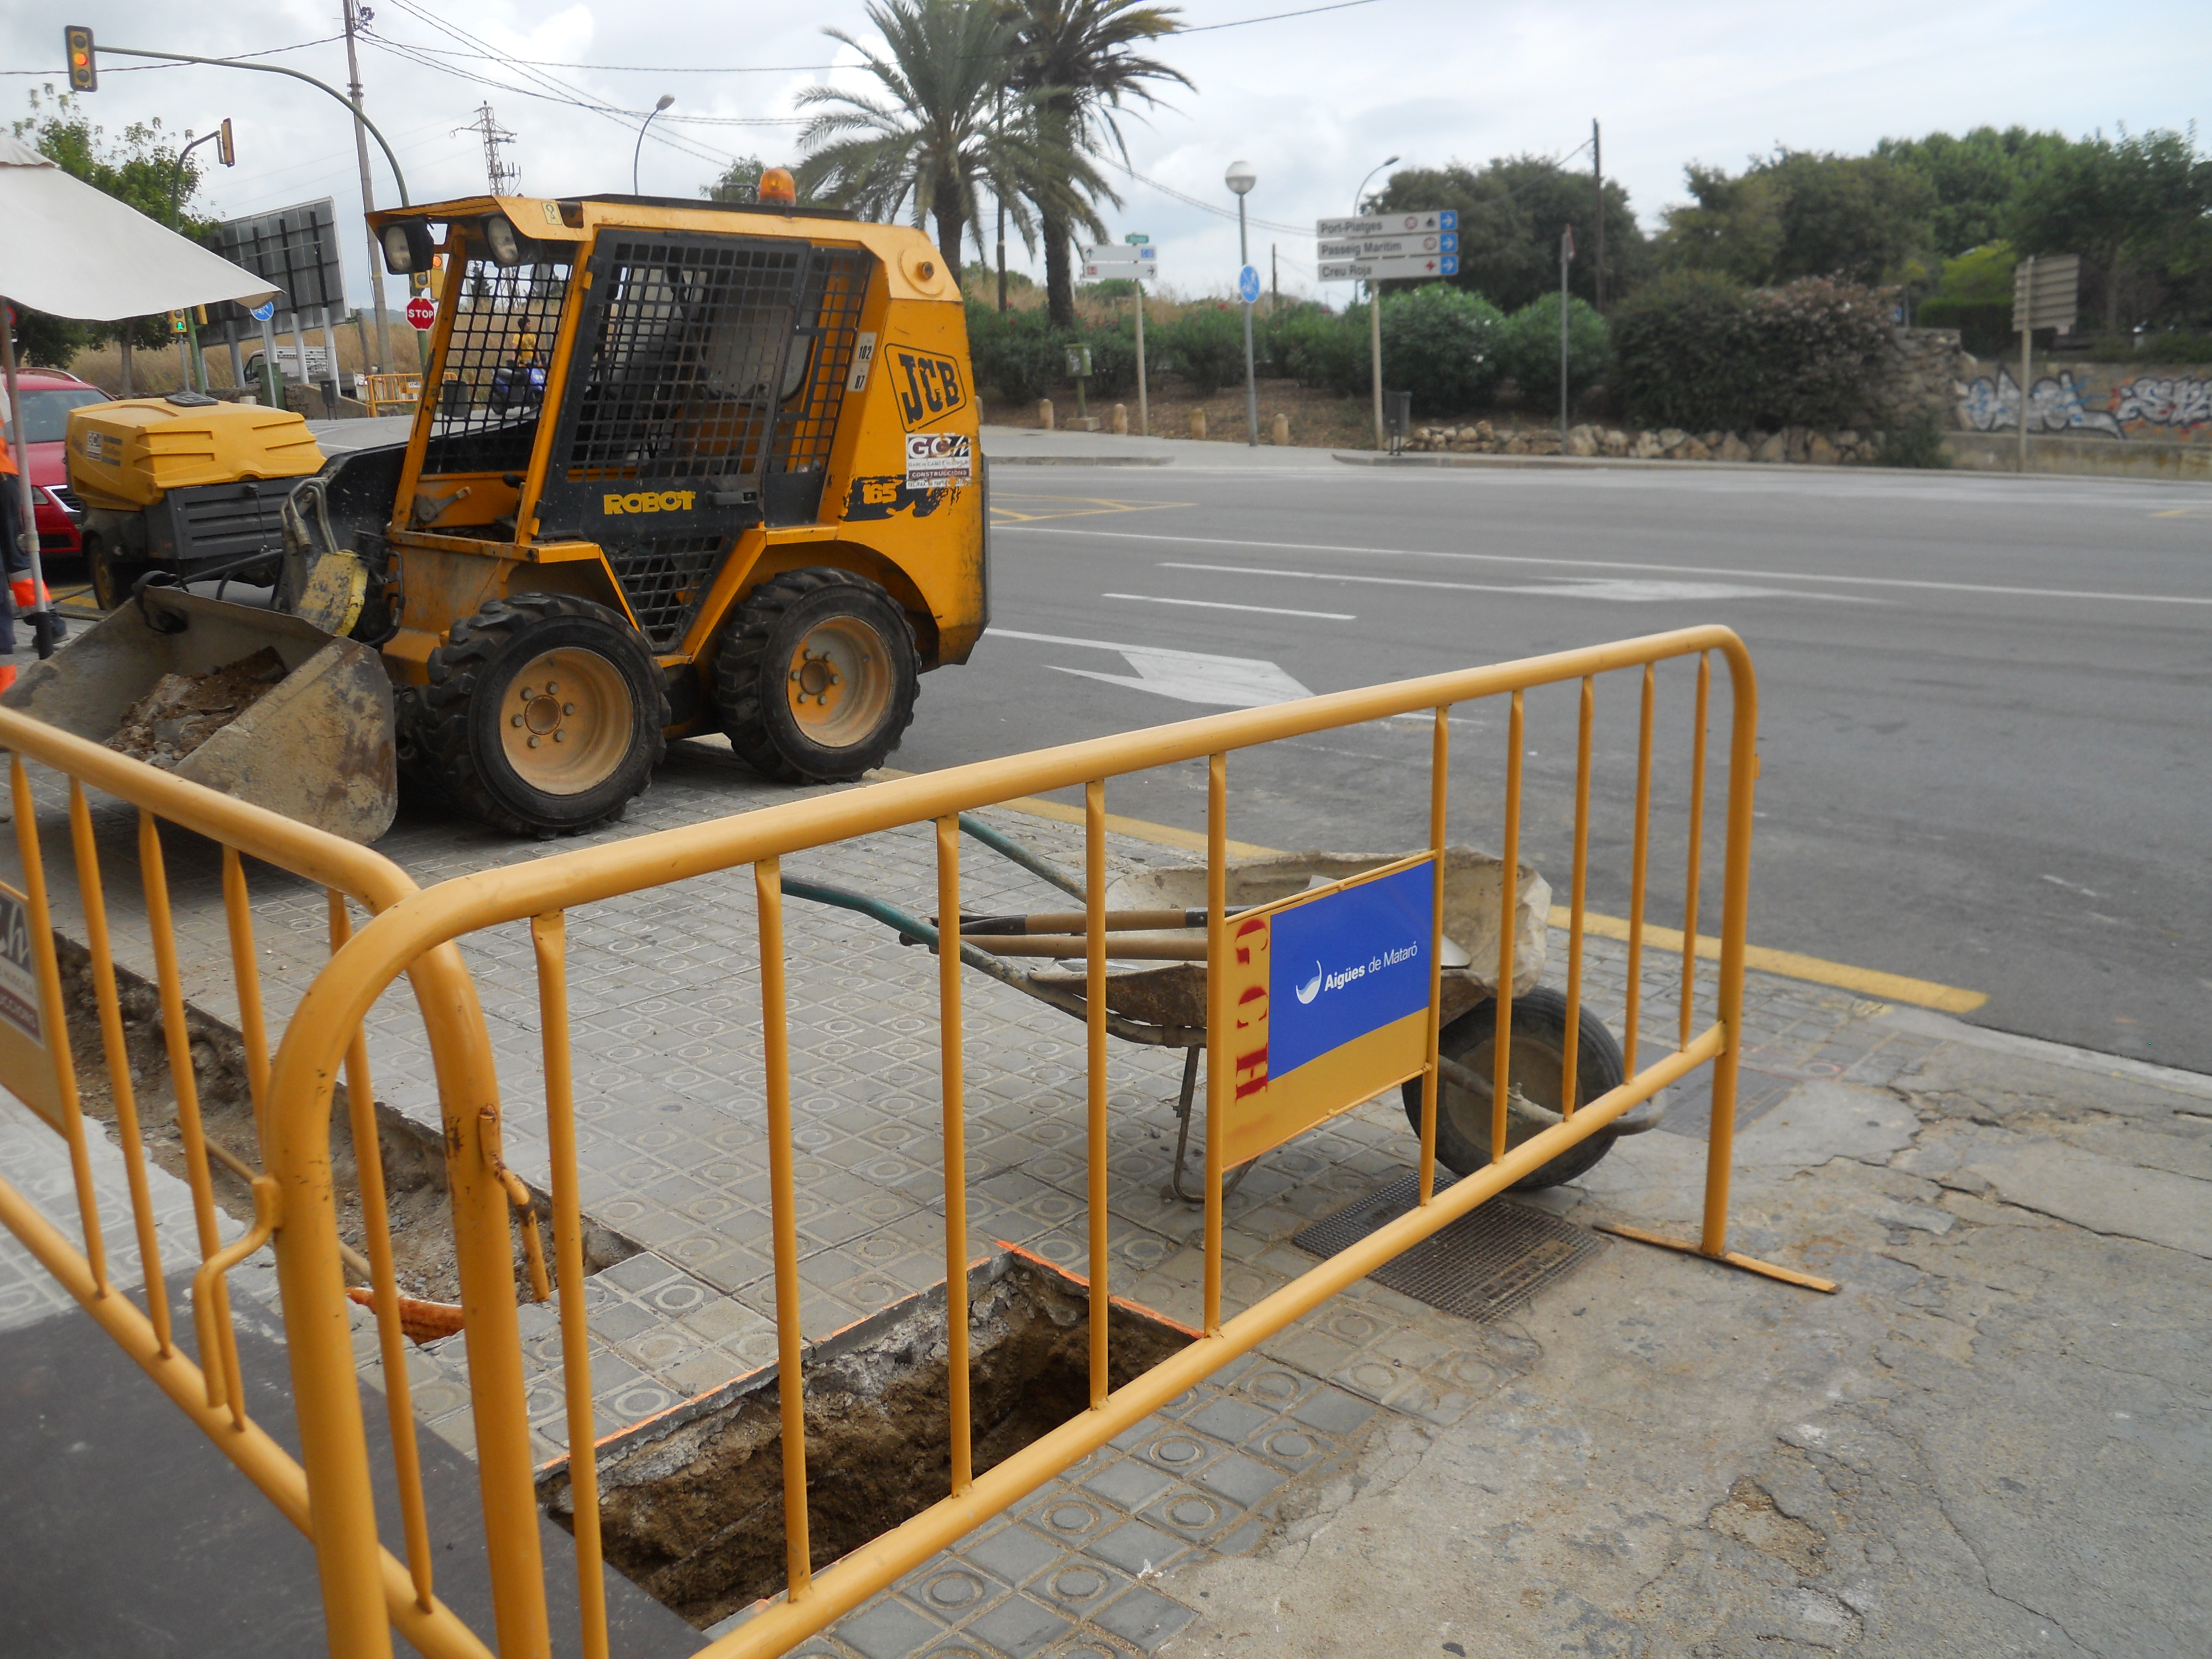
(407, 247)
(507, 245)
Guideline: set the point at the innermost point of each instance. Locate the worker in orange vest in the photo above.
(15, 554)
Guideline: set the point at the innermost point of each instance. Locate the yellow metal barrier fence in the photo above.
(366, 1590)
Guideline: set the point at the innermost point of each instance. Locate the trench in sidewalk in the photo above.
(691, 1502)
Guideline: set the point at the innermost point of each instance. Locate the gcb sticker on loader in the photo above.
(939, 460)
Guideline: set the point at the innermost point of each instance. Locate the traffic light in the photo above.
(226, 151)
(84, 73)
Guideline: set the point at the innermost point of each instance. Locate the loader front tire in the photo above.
(817, 677)
(545, 715)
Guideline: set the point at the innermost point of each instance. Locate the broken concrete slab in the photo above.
(2103, 1194)
(1824, 1120)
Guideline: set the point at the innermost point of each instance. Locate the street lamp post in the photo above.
(638, 150)
(1374, 308)
(1241, 178)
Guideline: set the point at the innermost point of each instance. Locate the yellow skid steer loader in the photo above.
(678, 467)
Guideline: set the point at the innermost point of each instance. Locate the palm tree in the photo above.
(1078, 67)
(942, 124)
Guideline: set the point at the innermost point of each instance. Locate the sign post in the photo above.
(2045, 293)
(1375, 248)
(1566, 257)
(1132, 259)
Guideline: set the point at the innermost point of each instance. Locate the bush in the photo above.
(1112, 343)
(1017, 353)
(1698, 352)
(1320, 348)
(1206, 346)
(1916, 441)
(1819, 347)
(1441, 344)
(1529, 349)
(1683, 354)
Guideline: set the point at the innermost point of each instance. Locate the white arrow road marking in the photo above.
(1186, 676)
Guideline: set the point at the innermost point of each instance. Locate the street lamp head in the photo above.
(1240, 177)
(666, 99)
(1389, 161)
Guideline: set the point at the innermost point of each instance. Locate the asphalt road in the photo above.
(1986, 703)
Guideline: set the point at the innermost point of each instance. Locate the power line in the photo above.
(1273, 17)
(138, 69)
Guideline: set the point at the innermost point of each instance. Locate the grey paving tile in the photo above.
(1244, 1481)
(1013, 1553)
(1333, 1411)
(1144, 1618)
(1136, 1546)
(1128, 1483)
(887, 1629)
(1018, 1626)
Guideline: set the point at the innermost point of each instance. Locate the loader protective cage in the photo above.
(369, 1591)
(711, 371)
(497, 360)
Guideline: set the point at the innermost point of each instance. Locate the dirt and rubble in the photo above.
(183, 711)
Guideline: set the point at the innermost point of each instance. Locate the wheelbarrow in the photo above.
(1156, 986)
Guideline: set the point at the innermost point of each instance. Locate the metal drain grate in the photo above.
(1481, 1266)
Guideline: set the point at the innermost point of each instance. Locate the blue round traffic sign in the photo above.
(1248, 285)
(264, 311)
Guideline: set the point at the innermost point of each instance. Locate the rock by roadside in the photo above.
(1802, 444)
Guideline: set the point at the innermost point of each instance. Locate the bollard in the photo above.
(1198, 423)
(1282, 432)
(1044, 414)
(1121, 420)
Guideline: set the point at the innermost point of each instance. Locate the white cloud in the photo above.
(1312, 102)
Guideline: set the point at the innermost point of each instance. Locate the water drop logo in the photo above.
(1311, 988)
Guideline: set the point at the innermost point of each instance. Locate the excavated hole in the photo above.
(420, 1219)
(691, 1503)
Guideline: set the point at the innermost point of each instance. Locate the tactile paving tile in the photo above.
(1484, 1265)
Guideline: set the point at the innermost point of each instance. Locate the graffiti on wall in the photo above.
(2151, 405)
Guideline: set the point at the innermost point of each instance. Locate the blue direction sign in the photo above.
(1248, 285)
(264, 311)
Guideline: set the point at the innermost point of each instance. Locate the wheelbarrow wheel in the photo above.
(817, 677)
(545, 715)
(1538, 1050)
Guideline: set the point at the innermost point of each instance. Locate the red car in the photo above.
(48, 395)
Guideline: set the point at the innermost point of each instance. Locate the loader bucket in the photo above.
(318, 746)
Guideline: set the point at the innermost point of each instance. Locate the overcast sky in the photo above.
(1312, 102)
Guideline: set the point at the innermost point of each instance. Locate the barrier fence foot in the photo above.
(1726, 1257)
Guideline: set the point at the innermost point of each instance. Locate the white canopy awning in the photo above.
(70, 250)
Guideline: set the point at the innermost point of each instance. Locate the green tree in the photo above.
(739, 181)
(1079, 64)
(1529, 349)
(140, 170)
(1443, 345)
(1977, 179)
(2140, 203)
(1798, 213)
(943, 124)
(1510, 214)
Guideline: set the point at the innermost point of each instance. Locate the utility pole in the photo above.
(999, 194)
(367, 192)
(500, 175)
(1597, 179)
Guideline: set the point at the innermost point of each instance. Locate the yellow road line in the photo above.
(1786, 964)
(1868, 981)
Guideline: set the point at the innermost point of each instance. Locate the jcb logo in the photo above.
(663, 500)
(928, 387)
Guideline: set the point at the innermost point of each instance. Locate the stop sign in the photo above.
(422, 310)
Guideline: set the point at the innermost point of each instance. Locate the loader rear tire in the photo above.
(1539, 1051)
(545, 715)
(817, 677)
